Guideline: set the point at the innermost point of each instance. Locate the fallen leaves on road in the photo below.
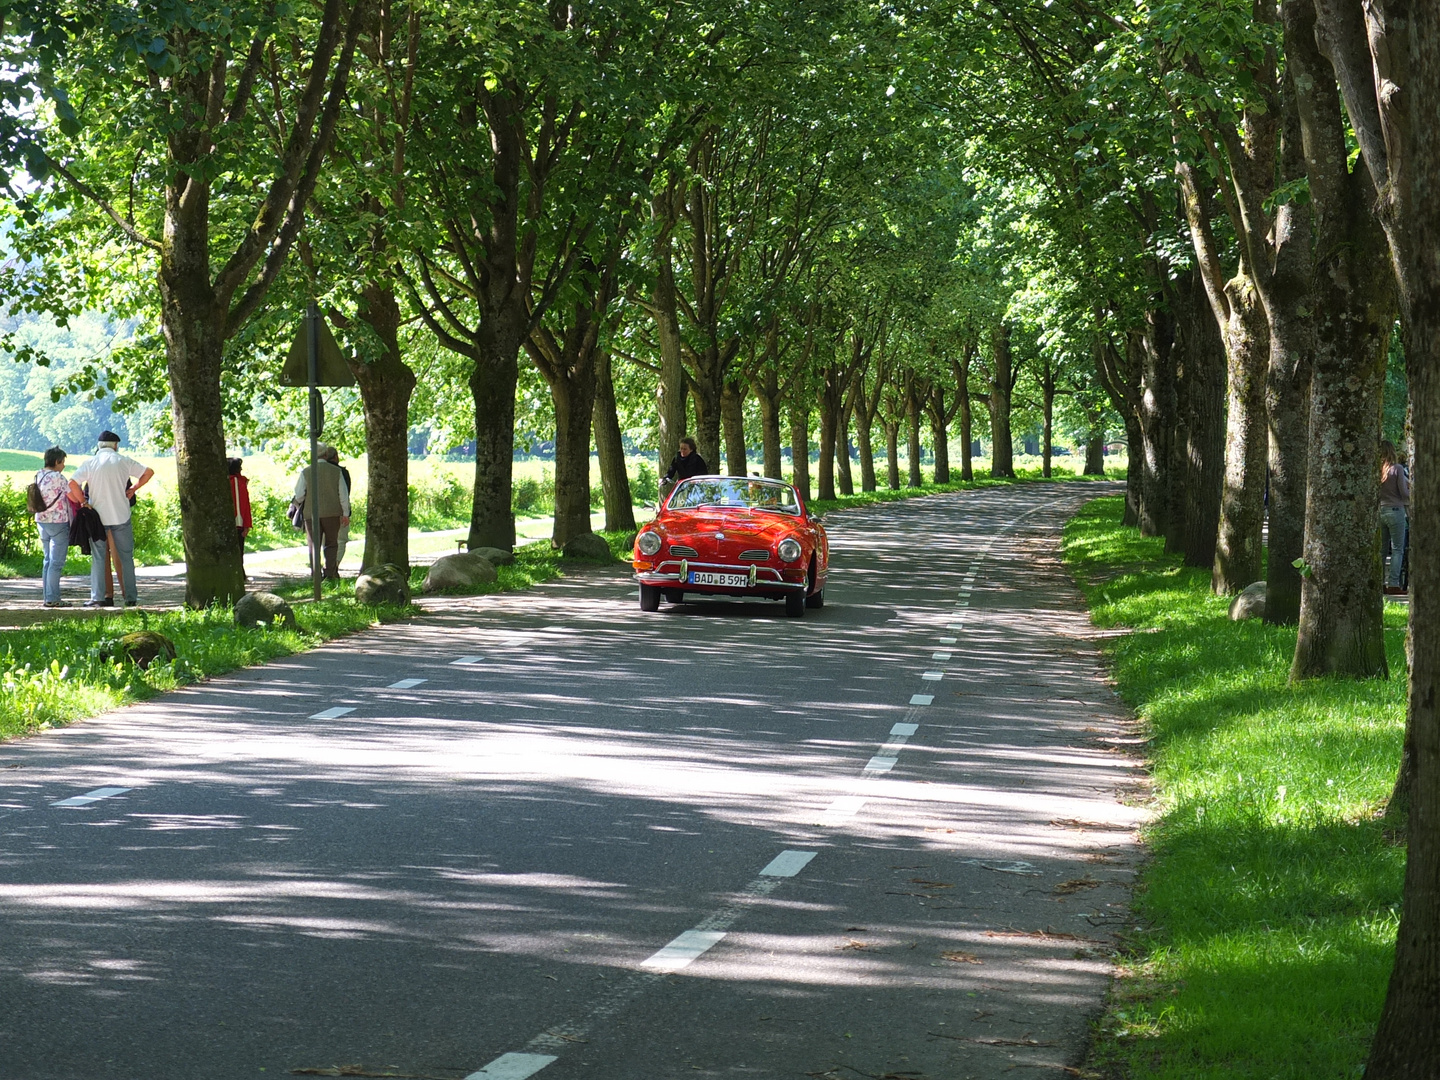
(1077, 823)
(931, 884)
(990, 1042)
(1065, 888)
(961, 957)
(856, 945)
(360, 1070)
(1052, 935)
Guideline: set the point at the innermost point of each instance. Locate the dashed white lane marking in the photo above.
(943, 654)
(513, 1067)
(921, 699)
(466, 661)
(91, 796)
(955, 626)
(932, 676)
(787, 864)
(333, 713)
(842, 809)
(947, 641)
(546, 1047)
(405, 684)
(879, 764)
(684, 950)
(904, 729)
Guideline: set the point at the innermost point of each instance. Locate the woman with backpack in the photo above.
(48, 499)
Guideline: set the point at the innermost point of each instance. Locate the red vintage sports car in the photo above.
(733, 536)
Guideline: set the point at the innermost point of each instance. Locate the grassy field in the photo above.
(1270, 905)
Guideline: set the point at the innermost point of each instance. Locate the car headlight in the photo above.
(648, 543)
(789, 549)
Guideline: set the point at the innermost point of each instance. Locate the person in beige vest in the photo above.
(334, 496)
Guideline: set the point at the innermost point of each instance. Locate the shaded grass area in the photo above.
(53, 673)
(1269, 910)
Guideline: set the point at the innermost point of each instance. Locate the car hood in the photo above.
(762, 529)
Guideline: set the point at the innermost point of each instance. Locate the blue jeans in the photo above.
(55, 544)
(122, 553)
(1393, 520)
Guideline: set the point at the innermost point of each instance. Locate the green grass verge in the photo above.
(1269, 907)
(52, 673)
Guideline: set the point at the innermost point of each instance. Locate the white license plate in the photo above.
(704, 577)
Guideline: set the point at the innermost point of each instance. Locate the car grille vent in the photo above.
(755, 555)
(683, 551)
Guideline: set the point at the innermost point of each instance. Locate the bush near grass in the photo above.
(51, 673)
(1268, 911)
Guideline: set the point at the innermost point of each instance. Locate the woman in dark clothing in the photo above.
(240, 497)
(686, 463)
(1394, 512)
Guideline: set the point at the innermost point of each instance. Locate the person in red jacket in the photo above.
(240, 497)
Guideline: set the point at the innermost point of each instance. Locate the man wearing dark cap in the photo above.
(112, 478)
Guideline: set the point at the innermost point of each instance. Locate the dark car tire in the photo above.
(674, 596)
(816, 599)
(795, 604)
(649, 597)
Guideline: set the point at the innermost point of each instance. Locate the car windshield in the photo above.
(740, 492)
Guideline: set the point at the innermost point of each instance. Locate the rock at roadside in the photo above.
(463, 571)
(588, 546)
(142, 649)
(383, 584)
(1249, 602)
(258, 609)
(495, 556)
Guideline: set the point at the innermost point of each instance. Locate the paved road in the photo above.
(890, 839)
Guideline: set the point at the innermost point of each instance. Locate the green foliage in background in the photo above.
(1268, 913)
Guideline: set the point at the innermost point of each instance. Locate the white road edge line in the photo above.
(466, 661)
(92, 796)
(921, 699)
(904, 729)
(405, 684)
(333, 713)
(787, 863)
(943, 654)
(947, 641)
(932, 676)
(880, 764)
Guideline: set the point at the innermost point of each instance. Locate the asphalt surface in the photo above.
(566, 856)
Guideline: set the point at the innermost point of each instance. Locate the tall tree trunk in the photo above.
(866, 447)
(768, 394)
(1341, 607)
(912, 427)
(1002, 453)
(1095, 449)
(967, 419)
(732, 414)
(707, 421)
(1134, 471)
(574, 398)
(670, 393)
(940, 434)
(1201, 436)
(829, 420)
(1154, 358)
(386, 384)
(800, 447)
(610, 446)
(842, 453)
(892, 454)
(1047, 405)
(1242, 507)
(492, 390)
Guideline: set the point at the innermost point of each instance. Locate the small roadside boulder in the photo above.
(142, 648)
(258, 609)
(495, 556)
(588, 546)
(462, 571)
(383, 584)
(1249, 602)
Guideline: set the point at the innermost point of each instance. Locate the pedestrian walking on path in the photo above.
(54, 523)
(334, 495)
(1394, 513)
(113, 479)
(344, 538)
(240, 496)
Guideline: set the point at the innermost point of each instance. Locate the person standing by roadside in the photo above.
(1394, 513)
(113, 480)
(685, 464)
(334, 495)
(54, 523)
(240, 497)
(344, 537)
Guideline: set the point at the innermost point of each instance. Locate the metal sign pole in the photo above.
(312, 349)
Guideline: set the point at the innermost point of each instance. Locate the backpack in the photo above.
(35, 499)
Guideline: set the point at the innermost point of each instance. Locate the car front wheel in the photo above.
(795, 604)
(649, 598)
(815, 599)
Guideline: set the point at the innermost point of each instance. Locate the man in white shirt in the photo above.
(113, 478)
(334, 495)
